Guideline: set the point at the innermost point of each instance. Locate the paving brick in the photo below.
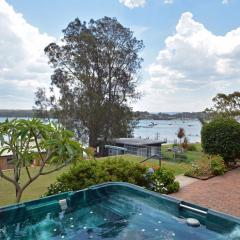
(221, 193)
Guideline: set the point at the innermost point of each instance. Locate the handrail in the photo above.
(155, 155)
(192, 208)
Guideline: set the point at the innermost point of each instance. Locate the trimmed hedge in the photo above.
(221, 137)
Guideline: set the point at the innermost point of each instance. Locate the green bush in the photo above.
(57, 187)
(163, 181)
(221, 137)
(91, 172)
(191, 147)
(206, 166)
(217, 165)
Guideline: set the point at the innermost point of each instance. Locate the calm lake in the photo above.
(165, 129)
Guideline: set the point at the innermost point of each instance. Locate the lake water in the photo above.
(165, 129)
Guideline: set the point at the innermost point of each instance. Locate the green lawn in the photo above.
(35, 190)
(39, 187)
(190, 155)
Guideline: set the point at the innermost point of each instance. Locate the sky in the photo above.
(192, 48)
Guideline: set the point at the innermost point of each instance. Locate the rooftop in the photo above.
(138, 141)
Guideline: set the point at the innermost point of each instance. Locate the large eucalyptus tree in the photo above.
(95, 72)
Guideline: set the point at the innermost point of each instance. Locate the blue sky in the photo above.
(192, 48)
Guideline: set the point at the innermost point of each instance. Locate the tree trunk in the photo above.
(92, 140)
(18, 195)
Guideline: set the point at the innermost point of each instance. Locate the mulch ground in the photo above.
(221, 193)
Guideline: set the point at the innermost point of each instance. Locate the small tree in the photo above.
(28, 140)
(181, 134)
(221, 136)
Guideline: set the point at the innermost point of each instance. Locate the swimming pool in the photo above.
(114, 211)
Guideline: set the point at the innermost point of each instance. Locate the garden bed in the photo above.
(206, 177)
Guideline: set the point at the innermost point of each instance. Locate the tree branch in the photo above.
(28, 173)
(38, 174)
(8, 178)
(56, 169)
(37, 145)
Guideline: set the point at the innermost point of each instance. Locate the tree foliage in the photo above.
(95, 73)
(221, 136)
(226, 104)
(28, 140)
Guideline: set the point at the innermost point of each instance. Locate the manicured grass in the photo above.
(34, 191)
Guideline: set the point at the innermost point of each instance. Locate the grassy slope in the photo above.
(35, 190)
(39, 187)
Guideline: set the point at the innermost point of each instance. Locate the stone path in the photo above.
(221, 193)
(185, 181)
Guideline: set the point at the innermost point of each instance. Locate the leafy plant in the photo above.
(206, 166)
(221, 137)
(91, 172)
(217, 165)
(28, 140)
(163, 181)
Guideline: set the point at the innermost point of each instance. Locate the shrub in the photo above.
(185, 143)
(91, 172)
(163, 181)
(200, 168)
(221, 136)
(191, 147)
(217, 165)
(57, 187)
(206, 166)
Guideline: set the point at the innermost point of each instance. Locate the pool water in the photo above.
(111, 212)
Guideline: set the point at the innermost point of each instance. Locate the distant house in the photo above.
(5, 162)
(135, 146)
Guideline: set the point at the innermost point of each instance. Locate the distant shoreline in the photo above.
(138, 115)
(168, 116)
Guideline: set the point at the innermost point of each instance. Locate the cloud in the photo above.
(194, 65)
(141, 3)
(23, 65)
(225, 1)
(133, 3)
(168, 1)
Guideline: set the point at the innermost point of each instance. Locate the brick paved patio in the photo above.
(220, 193)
